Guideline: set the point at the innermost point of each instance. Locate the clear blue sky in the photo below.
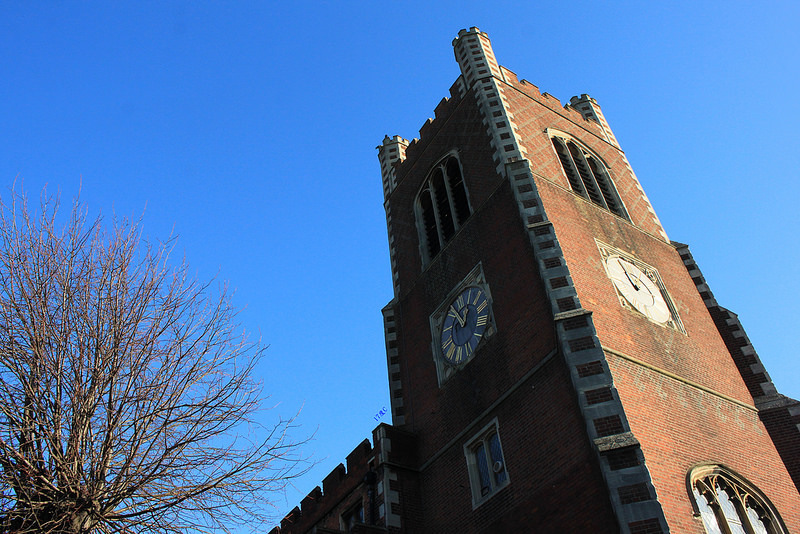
(248, 129)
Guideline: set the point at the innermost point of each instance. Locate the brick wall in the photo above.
(707, 413)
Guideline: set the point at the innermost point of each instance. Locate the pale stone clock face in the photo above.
(638, 289)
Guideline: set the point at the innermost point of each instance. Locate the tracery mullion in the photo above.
(604, 184)
(429, 223)
(447, 225)
(733, 520)
(740, 503)
(573, 177)
(737, 499)
(585, 171)
(451, 203)
(455, 181)
(722, 520)
(706, 504)
(763, 526)
(436, 217)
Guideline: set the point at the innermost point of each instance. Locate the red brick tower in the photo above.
(556, 361)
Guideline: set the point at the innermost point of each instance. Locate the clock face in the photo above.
(463, 326)
(638, 289)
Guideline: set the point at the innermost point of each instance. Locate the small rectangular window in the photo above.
(352, 517)
(486, 464)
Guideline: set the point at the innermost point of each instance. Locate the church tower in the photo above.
(556, 363)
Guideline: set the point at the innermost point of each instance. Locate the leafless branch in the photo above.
(127, 397)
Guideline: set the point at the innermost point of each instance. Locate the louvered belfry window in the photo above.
(587, 175)
(442, 206)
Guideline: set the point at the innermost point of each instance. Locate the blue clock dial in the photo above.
(464, 323)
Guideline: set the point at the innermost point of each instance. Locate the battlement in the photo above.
(336, 485)
(589, 118)
(441, 113)
(342, 483)
(588, 107)
(445, 107)
(474, 30)
(476, 59)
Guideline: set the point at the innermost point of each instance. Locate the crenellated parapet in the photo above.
(486, 81)
(336, 486)
(475, 56)
(589, 109)
(395, 149)
(361, 481)
(586, 112)
(431, 126)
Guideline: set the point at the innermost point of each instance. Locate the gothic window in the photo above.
(442, 206)
(587, 175)
(728, 504)
(487, 467)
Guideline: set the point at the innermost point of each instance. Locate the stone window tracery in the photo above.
(728, 504)
(442, 206)
(587, 175)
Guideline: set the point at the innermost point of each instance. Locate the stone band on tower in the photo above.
(556, 363)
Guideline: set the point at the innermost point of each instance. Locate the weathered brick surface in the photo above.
(677, 424)
(681, 394)
(680, 426)
(493, 236)
(549, 464)
(578, 223)
(543, 435)
(783, 425)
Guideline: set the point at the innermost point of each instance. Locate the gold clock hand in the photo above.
(461, 322)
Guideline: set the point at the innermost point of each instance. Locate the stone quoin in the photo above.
(556, 364)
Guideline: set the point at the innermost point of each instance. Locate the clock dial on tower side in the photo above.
(464, 324)
(638, 289)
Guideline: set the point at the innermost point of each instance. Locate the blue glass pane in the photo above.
(483, 469)
(498, 464)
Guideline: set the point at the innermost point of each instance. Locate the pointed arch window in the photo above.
(442, 206)
(587, 175)
(729, 504)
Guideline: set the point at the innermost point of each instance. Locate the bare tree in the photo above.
(127, 398)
